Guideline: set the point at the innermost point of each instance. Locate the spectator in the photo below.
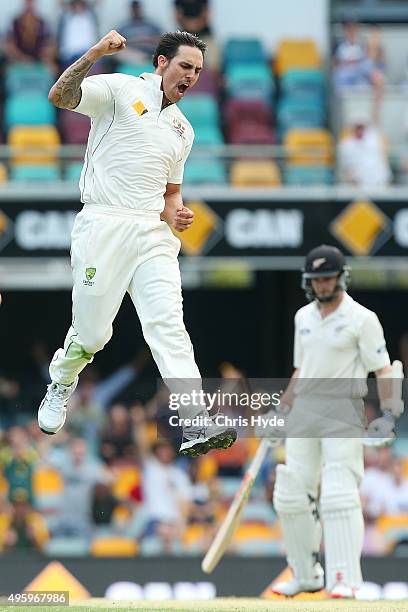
(77, 31)
(104, 504)
(375, 51)
(362, 154)
(193, 16)
(141, 36)
(355, 65)
(167, 494)
(202, 509)
(29, 39)
(10, 399)
(89, 404)
(23, 528)
(118, 440)
(397, 498)
(376, 483)
(17, 460)
(80, 473)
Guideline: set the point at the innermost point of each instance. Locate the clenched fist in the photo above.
(111, 43)
(184, 219)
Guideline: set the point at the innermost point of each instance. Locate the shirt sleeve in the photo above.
(297, 350)
(98, 92)
(176, 176)
(371, 342)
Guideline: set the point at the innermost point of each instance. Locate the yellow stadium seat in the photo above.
(47, 481)
(193, 534)
(255, 531)
(127, 477)
(3, 173)
(296, 53)
(207, 468)
(114, 546)
(299, 141)
(391, 522)
(255, 174)
(43, 139)
(122, 514)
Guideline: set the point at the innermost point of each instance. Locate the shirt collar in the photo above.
(153, 78)
(341, 310)
(156, 81)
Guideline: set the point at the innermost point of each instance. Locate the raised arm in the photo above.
(66, 92)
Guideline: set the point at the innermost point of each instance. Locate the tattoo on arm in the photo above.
(67, 90)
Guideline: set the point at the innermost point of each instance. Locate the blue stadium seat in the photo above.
(35, 173)
(244, 50)
(297, 82)
(135, 69)
(400, 447)
(255, 548)
(67, 547)
(208, 135)
(308, 175)
(21, 77)
(73, 171)
(249, 81)
(28, 109)
(208, 171)
(299, 114)
(201, 110)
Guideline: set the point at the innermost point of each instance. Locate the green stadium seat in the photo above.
(208, 171)
(21, 77)
(244, 50)
(28, 109)
(308, 175)
(201, 110)
(35, 173)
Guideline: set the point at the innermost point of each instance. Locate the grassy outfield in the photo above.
(221, 605)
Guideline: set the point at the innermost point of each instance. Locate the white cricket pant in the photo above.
(114, 251)
(337, 464)
(307, 457)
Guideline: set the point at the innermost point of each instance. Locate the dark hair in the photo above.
(170, 42)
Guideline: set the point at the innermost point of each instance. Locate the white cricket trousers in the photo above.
(308, 457)
(114, 251)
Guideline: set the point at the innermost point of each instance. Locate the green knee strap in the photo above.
(76, 351)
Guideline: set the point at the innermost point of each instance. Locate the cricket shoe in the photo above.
(293, 587)
(204, 435)
(53, 409)
(342, 591)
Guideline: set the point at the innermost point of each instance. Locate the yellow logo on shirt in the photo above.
(140, 108)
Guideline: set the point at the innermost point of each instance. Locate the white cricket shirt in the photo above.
(349, 343)
(134, 147)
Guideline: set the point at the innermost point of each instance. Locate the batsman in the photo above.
(339, 339)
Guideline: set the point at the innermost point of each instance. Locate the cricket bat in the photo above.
(227, 529)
